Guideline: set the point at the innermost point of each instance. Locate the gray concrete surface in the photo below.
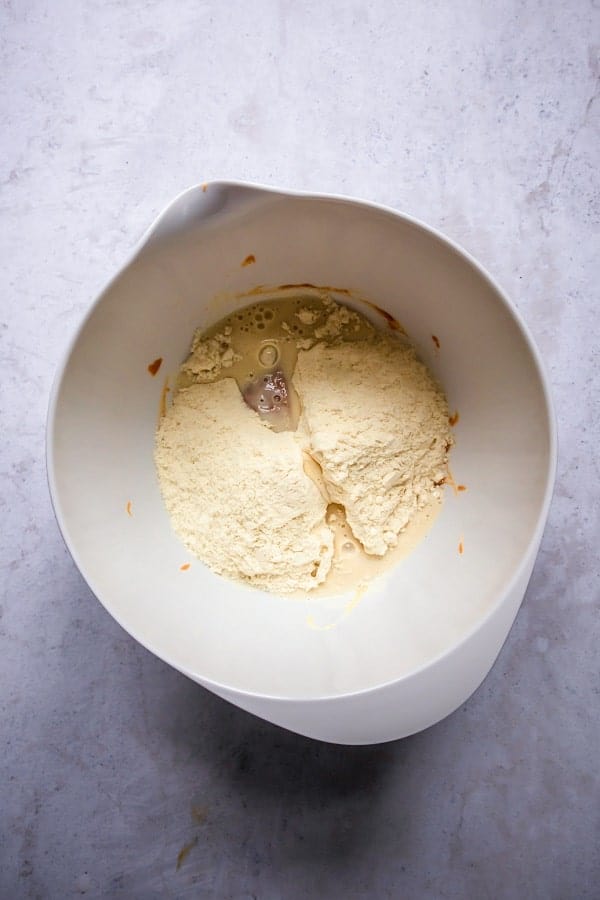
(118, 777)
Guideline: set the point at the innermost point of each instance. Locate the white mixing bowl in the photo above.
(421, 639)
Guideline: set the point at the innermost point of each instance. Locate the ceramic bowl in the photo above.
(423, 637)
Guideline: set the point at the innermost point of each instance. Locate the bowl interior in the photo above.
(104, 414)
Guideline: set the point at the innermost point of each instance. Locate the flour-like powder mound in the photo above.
(377, 423)
(237, 493)
(301, 443)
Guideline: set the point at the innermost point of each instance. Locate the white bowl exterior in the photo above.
(402, 707)
(422, 639)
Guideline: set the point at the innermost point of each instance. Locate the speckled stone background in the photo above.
(479, 117)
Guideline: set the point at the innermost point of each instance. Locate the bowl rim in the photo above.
(531, 548)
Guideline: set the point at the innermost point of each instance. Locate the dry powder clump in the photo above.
(377, 424)
(237, 493)
(208, 357)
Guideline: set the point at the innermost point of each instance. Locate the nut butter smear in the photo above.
(304, 449)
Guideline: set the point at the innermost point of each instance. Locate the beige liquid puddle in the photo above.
(352, 568)
(267, 335)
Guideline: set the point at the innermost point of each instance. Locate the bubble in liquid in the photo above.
(260, 324)
(268, 314)
(268, 355)
(348, 547)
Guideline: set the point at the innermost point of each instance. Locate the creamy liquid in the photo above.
(353, 568)
(266, 336)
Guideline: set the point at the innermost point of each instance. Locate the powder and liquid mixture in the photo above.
(304, 450)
